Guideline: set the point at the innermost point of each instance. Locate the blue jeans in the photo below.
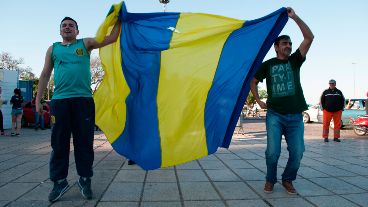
(292, 127)
(39, 120)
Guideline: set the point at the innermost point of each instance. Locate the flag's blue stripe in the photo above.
(242, 54)
(143, 38)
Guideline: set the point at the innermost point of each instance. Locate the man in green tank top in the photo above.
(285, 104)
(72, 105)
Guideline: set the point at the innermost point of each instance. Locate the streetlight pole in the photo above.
(354, 77)
(164, 2)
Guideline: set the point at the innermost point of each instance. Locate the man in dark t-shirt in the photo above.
(285, 104)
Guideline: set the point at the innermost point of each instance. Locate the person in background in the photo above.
(332, 102)
(38, 116)
(17, 112)
(1, 113)
(285, 105)
(366, 105)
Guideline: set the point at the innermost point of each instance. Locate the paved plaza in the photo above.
(331, 174)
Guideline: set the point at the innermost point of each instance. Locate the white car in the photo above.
(314, 113)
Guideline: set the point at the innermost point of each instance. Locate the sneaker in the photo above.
(337, 140)
(288, 185)
(131, 162)
(17, 134)
(85, 187)
(12, 134)
(268, 188)
(60, 187)
(326, 139)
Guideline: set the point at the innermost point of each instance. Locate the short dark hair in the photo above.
(69, 18)
(281, 37)
(17, 91)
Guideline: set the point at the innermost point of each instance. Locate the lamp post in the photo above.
(164, 2)
(354, 77)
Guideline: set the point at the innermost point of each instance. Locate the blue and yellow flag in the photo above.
(175, 83)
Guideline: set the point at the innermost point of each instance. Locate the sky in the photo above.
(339, 50)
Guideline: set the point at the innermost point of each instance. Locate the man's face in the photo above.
(332, 85)
(68, 29)
(283, 48)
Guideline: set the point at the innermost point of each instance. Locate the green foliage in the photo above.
(251, 100)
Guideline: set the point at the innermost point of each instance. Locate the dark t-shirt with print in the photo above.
(285, 93)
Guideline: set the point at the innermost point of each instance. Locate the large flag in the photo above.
(175, 83)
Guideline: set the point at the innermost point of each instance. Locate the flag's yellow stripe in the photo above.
(111, 94)
(181, 99)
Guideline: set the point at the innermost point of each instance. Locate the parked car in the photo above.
(28, 118)
(312, 114)
(357, 109)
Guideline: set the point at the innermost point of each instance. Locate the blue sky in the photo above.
(339, 50)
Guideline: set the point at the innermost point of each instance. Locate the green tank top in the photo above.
(72, 74)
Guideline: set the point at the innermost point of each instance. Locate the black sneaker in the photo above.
(12, 134)
(326, 139)
(337, 140)
(60, 187)
(85, 187)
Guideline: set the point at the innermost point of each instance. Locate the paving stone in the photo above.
(308, 172)
(198, 191)
(235, 190)
(189, 166)
(161, 204)
(355, 169)
(330, 201)
(360, 199)
(161, 192)
(11, 191)
(130, 176)
(204, 204)
(250, 174)
(222, 175)
(35, 203)
(123, 192)
(161, 176)
(307, 188)
(212, 164)
(289, 202)
(118, 204)
(337, 186)
(238, 164)
(359, 181)
(191, 175)
(248, 203)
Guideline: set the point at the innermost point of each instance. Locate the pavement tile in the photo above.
(289, 202)
(23, 203)
(307, 188)
(330, 201)
(248, 203)
(123, 192)
(359, 181)
(198, 191)
(238, 164)
(161, 192)
(204, 204)
(102, 175)
(360, 199)
(308, 172)
(161, 204)
(189, 166)
(12, 191)
(355, 169)
(118, 204)
(161, 176)
(212, 164)
(229, 156)
(191, 175)
(337, 186)
(222, 175)
(334, 171)
(250, 174)
(130, 176)
(235, 190)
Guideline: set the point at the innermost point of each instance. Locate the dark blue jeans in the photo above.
(72, 116)
(39, 120)
(292, 127)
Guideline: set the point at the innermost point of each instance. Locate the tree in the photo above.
(97, 73)
(251, 100)
(8, 62)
